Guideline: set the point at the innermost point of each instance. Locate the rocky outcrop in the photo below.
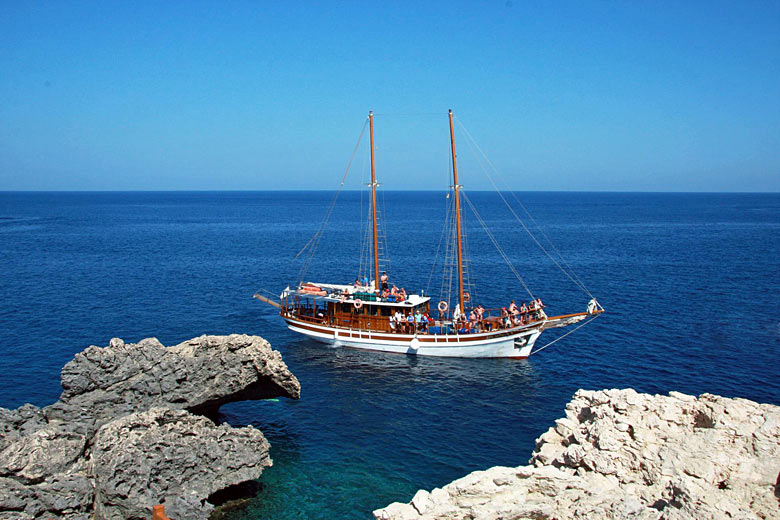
(131, 465)
(124, 435)
(198, 375)
(621, 454)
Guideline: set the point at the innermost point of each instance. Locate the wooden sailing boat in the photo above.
(366, 317)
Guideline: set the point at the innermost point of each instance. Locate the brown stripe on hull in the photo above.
(347, 334)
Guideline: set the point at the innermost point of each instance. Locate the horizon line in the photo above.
(390, 191)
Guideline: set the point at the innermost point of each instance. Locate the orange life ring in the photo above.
(466, 297)
(358, 303)
(442, 306)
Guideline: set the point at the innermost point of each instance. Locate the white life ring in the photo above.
(466, 297)
(442, 306)
(358, 303)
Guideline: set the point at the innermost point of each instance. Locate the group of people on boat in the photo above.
(411, 322)
(385, 292)
(511, 316)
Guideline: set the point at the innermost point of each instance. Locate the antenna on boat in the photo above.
(373, 200)
(457, 187)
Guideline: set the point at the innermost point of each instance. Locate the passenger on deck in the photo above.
(383, 281)
(392, 323)
(399, 319)
(385, 293)
(472, 319)
(427, 316)
(532, 306)
(418, 320)
(505, 321)
(513, 308)
(523, 308)
(480, 310)
(410, 323)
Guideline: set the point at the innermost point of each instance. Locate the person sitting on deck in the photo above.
(428, 318)
(505, 321)
(385, 293)
(540, 314)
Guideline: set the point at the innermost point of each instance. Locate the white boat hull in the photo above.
(516, 344)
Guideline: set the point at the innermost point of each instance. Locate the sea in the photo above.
(690, 283)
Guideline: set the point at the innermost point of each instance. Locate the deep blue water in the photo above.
(690, 283)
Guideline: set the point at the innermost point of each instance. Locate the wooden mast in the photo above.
(457, 187)
(373, 202)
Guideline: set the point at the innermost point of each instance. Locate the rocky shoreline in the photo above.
(621, 454)
(131, 430)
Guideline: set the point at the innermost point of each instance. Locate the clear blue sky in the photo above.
(679, 96)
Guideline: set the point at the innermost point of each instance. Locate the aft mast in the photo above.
(456, 187)
(373, 202)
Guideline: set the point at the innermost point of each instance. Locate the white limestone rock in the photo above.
(621, 454)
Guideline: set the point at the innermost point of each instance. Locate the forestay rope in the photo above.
(569, 272)
(314, 240)
(564, 335)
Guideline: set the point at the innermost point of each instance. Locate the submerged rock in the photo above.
(124, 437)
(620, 454)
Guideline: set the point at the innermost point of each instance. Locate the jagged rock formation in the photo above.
(123, 436)
(620, 454)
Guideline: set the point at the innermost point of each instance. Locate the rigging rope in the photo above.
(496, 244)
(561, 337)
(314, 241)
(570, 272)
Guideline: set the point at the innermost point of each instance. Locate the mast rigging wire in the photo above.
(496, 244)
(568, 272)
(314, 241)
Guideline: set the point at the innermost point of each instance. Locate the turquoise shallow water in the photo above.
(690, 283)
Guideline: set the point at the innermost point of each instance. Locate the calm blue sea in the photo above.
(690, 283)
